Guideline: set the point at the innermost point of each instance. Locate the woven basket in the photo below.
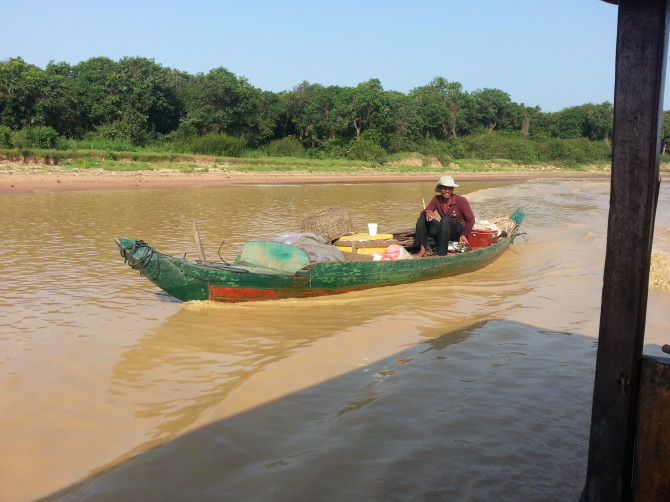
(331, 223)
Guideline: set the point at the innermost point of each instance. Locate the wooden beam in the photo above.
(198, 242)
(641, 51)
(651, 475)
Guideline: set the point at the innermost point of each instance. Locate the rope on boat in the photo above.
(219, 252)
(519, 234)
(146, 255)
(217, 267)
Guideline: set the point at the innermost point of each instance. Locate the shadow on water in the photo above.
(501, 413)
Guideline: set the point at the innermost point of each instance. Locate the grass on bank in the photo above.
(188, 163)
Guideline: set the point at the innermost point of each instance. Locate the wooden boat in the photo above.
(268, 270)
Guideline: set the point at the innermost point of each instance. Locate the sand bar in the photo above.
(21, 179)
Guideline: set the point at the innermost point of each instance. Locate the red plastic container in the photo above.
(482, 238)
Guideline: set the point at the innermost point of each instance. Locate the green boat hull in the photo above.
(238, 282)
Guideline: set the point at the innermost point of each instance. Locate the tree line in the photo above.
(135, 102)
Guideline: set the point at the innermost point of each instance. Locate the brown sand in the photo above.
(16, 178)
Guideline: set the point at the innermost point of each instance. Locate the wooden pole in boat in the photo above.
(198, 243)
(641, 51)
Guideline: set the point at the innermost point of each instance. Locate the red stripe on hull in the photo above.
(228, 294)
(219, 293)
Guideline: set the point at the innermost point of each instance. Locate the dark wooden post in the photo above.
(641, 52)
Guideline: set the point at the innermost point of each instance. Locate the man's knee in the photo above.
(447, 223)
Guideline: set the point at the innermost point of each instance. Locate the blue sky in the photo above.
(547, 53)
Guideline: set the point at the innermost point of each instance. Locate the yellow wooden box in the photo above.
(364, 243)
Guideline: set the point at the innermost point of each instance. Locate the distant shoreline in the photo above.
(57, 179)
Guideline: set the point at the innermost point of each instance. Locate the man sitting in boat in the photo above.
(456, 219)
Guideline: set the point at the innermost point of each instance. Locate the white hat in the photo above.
(445, 181)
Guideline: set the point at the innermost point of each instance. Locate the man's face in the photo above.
(446, 191)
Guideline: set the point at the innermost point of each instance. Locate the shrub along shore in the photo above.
(53, 170)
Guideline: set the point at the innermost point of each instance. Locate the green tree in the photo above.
(326, 123)
(568, 123)
(491, 108)
(132, 99)
(311, 112)
(21, 88)
(94, 92)
(221, 102)
(513, 117)
(303, 103)
(364, 107)
(58, 108)
(406, 132)
(273, 116)
(585, 121)
(599, 121)
(136, 101)
(151, 92)
(443, 108)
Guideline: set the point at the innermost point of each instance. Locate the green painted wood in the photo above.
(518, 216)
(273, 255)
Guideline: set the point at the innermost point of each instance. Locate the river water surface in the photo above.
(470, 388)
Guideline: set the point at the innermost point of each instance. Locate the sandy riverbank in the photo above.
(22, 179)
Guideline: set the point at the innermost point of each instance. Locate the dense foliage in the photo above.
(136, 103)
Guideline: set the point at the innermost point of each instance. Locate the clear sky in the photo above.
(548, 53)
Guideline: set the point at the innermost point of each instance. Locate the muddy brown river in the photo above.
(471, 388)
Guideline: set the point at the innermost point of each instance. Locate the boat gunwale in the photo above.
(424, 263)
